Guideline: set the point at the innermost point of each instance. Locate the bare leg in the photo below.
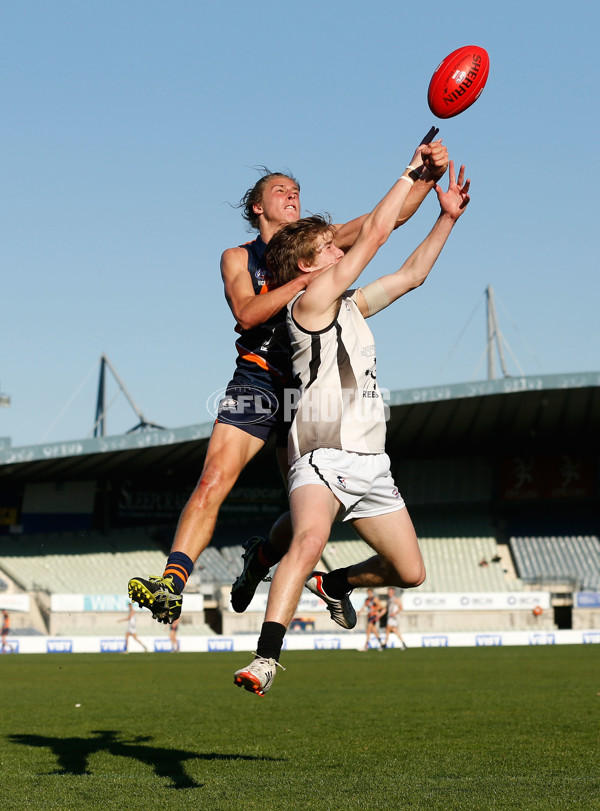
(399, 635)
(229, 451)
(280, 536)
(313, 509)
(372, 628)
(398, 561)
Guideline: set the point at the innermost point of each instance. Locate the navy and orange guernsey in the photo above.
(372, 610)
(264, 351)
(254, 399)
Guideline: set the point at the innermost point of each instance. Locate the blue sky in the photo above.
(131, 129)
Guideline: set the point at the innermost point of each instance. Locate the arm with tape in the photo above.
(377, 295)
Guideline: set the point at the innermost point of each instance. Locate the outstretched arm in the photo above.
(319, 304)
(435, 161)
(379, 294)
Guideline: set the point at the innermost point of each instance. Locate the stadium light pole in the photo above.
(101, 407)
(493, 337)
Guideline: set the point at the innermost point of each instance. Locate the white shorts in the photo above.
(361, 482)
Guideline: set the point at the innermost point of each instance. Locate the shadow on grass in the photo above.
(73, 754)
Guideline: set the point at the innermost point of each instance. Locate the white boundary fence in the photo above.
(298, 641)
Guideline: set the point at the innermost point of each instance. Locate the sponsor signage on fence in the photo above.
(59, 646)
(430, 601)
(488, 640)
(437, 641)
(222, 645)
(338, 641)
(119, 603)
(542, 639)
(499, 601)
(14, 602)
(309, 603)
(163, 646)
(587, 599)
(328, 643)
(112, 646)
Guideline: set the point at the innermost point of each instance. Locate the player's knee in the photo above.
(417, 577)
(409, 577)
(213, 487)
(308, 547)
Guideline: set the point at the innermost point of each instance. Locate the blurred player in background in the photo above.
(249, 413)
(173, 635)
(5, 631)
(394, 607)
(131, 632)
(375, 611)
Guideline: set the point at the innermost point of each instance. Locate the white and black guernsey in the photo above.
(340, 405)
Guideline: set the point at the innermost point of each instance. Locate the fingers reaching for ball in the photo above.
(454, 201)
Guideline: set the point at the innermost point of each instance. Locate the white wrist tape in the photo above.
(376, 296)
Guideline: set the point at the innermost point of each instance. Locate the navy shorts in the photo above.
(255, 410)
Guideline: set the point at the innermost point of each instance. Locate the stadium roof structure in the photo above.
(542, 413)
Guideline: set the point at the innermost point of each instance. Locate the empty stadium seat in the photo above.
(80, 562)
(571, 559)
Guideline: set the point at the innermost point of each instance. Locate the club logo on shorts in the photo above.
(342, 482)
(243, 405)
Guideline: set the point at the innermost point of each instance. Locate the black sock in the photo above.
(336, 583)
(270, 641)
(268, 555)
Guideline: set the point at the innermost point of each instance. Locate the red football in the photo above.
(458, 81)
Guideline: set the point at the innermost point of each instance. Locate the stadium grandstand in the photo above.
(501, 478)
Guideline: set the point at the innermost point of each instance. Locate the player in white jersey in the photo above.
(131, 632)
(339, 469)
(394, 607)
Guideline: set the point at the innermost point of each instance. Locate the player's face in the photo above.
(280, 202)
(327, 254)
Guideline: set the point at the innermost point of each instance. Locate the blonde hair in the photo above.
(296, 242)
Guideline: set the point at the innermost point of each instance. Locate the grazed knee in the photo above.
(212, 489)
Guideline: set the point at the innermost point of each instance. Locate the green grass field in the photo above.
(454, 728)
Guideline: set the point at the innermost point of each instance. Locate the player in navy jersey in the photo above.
(251, 408)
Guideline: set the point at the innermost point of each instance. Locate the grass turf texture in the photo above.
(455, 728)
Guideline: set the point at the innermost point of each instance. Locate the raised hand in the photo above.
(454, 201)
(435, 161)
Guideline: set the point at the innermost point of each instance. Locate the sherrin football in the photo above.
(458, 81)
